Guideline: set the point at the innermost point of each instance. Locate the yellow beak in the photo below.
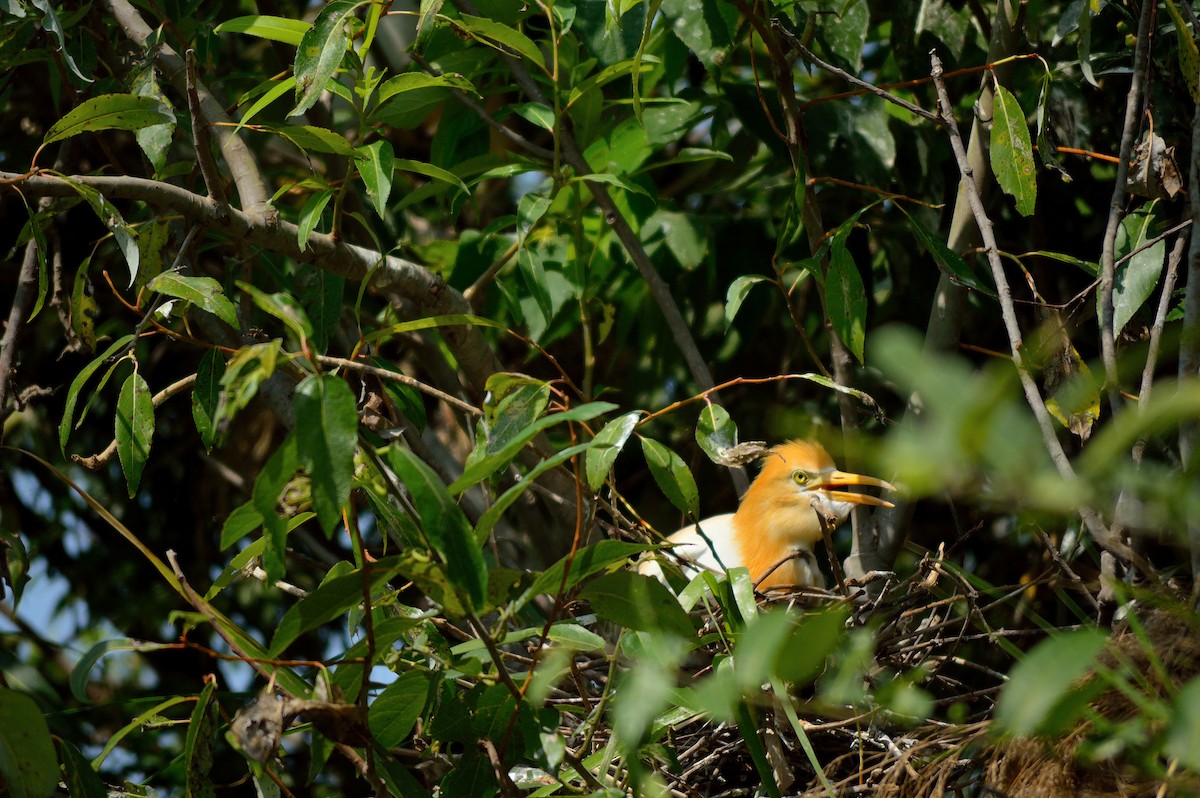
(839, 479)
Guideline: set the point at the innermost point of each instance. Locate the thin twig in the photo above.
(202, 140)
(811, 57)
(96, 461)
(1116, 210)
(395, 376)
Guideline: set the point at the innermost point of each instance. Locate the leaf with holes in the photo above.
(1012, 152)
(320, 53)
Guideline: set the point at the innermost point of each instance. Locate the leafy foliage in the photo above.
(346, 495)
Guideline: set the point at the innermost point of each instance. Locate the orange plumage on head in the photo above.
(781, 515)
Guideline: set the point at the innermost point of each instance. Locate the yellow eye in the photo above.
(799, 477)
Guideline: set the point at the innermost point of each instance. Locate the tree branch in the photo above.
(1116, 209)
(1100, 533)
(252, 190)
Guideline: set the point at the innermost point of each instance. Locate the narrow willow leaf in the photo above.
(489, 31)
(477, 471)
(320, 53)
(638, 602)
(672, 476)
(155, 140)
(277, 89)
(377, 164)
(1012, 152)
(282, 306)
(79, 776)
(445, 526)
(29, 765)
(206, 396)
(200, 742)
(310, 216)
(411, 81)
(736, 295)
(1040, 683)
(203, 292)
(64, 426)
(310, 138)
(1189, 54)
(395, 711)
(277, 29)
(134, 428)
(108, 112)
(429, 170)
(846, 297)
(338, 594)
(950, 262)
(51, 23)
(327, 438)
(608, 444)
(110, 217)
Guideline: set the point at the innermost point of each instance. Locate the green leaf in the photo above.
(589, 560)
(206, 396)
(491, 32)
(277, 29)
(155, 140)
(950, 262)
(377, 165)
(672, 476)
(1040, 684)
(277, 88)
(79, 776)
(492, 514)
(51, 23)
(200, 743)
(736, 295)
(135, 428)
(445, 526)
(536, 113)
(716, 433)
(310, 138)
(813, 639)
(1012, 151)
(336, 596)
(64, 426)
(638, 602)
(28, 764)
(282, 306)
(310, 217)
(326, 439)
(78, 680)
(487, 465)
(845, 295)
(704, 26)
(608, 444)
(108, 112)
(410, 81)
(429, 170)
(110, 217)
(203, 292)
(320, 53)
(1183, 730)
(244, 373)
(395, 711)
(38, 238)
(1137, 278)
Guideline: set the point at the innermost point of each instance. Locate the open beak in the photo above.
(839, 479)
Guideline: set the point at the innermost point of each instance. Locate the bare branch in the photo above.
(252, 190)
(202, 136)
(1101, 533)
(1116, 209)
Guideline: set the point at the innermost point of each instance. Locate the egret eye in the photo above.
(799, 477)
